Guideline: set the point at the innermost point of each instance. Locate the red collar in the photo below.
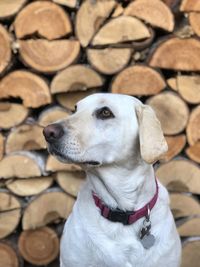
(127, 217)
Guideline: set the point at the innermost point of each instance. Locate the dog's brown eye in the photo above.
(104, 113)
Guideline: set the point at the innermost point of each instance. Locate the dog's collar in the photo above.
(125, 217)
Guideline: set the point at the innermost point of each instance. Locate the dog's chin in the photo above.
(69, 160)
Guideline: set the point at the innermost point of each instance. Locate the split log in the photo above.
(69, 100)
(190, 254)
(31, 88)
(43, 18)
(190, 228)
(193, 152)
(1, 146)
(55, 206)
(5, 45)
(76, 78)
(109, 60)
(193, 129)
(68, 3)
(53, 165)
(8, 255)
(153, 12)
(90, 16)
(184, 205)
(22, 165)
(51, 115)
(184, 54)
(10, 214)
(194, 19)
(25, 137)
(171, 110)
(190, 5)
(9, 8)
(187, 86)
(29, 187)
(11, 114)
(138, 80)
(39, 247)
(70, 182)
(36, 54)
(175, 146)
(180, 176)
(121, 29)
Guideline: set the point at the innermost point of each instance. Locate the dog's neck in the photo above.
(128, 186)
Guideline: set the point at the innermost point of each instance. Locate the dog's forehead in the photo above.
(116, 101)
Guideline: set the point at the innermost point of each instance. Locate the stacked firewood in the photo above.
(54, 53)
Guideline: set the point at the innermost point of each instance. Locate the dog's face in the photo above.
(104, 129)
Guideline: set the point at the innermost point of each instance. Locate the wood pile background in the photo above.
(53, 53)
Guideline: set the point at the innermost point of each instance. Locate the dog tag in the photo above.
(148, 241)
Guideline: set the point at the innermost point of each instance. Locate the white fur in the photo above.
(122, 179)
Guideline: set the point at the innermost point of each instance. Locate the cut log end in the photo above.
(190, 254)
(138, 80)
(193, 129)
(44, 18)
(53, 165)
(10, 8)
(5, 45)
(193, 152)
(190, 5)
(154, 12)
(8, 255)
(39, 247)
(35, 53)
(51, 115)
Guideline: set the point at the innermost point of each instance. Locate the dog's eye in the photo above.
(104, 113)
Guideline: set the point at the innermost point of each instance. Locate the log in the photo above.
(69, 100)
(121, 29)
(118, 10)
(175, 146)
(51, 115)
(53, 165)
(24, 138)
(190, 228)
(5, 45)
(187, 86)
(193, 130)
(8, 255)
(138, 80)
(180, 176)
(75, 78)
(10, 214)
(11, 114)
(44, 19)
(9, 8)
(190, 254)
(172, 112)
(71, 181)
(56, 206)
(184, 54)
(154, 12)
(32, 89)
(68, 3)
(39, 247)
(183, 205)
(193, 152)
(22, 165)
(109, 60)
(29, 187)
(90, 16)
(194, 20)
(35, 54)
(190, 5)
(1, 146)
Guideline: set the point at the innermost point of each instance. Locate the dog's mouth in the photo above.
(66, 159)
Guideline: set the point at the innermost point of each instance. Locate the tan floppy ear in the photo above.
(152, 142)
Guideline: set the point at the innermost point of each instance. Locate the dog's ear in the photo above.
(152, 142)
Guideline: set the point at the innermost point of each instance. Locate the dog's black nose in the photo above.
(53, 132)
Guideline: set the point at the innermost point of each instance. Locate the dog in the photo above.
(115, 139)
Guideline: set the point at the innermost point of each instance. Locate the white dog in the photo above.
(121, 217)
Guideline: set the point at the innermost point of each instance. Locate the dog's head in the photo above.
(107, 129)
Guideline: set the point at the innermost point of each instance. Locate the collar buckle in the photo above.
(119, 216)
